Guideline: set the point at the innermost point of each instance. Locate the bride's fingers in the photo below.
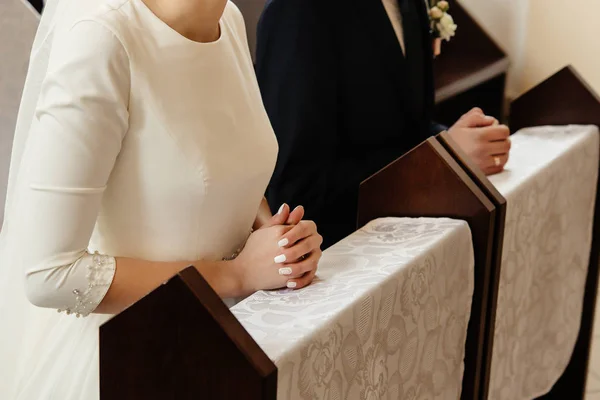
(279, 218)
(300, 248)
(300, 231)
(295, 216)
(303, 281)
(302, 266)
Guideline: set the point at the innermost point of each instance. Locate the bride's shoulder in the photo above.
(86, 33)
(233, 14)
(114, 16)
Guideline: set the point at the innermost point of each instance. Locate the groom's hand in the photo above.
(483, 139)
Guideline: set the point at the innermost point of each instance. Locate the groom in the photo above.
(348, 86)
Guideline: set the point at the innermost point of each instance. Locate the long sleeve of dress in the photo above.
(79, 125)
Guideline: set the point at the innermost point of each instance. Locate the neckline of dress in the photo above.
(176, 36)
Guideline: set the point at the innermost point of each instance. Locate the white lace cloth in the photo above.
(387, 318)
(550, 187)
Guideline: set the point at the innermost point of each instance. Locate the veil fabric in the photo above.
(16, 315)
(32, 340)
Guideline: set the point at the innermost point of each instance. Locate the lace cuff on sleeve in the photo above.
(100, 274)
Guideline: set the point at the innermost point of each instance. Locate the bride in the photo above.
(142, 147)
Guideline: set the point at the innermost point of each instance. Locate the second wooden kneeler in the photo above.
(500, 203)
(563, 99)
(429, 182)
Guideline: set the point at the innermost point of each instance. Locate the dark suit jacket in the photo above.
(342, 99)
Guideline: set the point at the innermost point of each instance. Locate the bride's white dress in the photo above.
(143, 144)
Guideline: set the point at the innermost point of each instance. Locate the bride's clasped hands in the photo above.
(284, 252)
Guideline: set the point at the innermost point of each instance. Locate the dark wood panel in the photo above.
(428, 182)
(489, 96)
(499, 202)
(182, 342)
(469, 52)
(470, 72)
(565, 98)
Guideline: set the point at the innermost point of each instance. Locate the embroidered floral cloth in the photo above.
(387, 318)
(550, 187)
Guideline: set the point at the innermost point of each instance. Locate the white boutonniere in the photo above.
(441, 23)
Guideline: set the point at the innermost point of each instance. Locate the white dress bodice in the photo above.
(144, 144)
(199, 151)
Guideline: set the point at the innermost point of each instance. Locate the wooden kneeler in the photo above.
(499, 202)
(181, 342)
(429, 182)
(563, 99)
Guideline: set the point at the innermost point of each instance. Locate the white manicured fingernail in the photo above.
(281, 208)
(285, 271)
(283, 242)
(280, 259)
(292, 285)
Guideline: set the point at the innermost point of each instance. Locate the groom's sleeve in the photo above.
(296, 71)
(435, 128)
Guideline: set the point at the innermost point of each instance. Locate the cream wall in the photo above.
(541, 37)
(506, 22)
(563, 32)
